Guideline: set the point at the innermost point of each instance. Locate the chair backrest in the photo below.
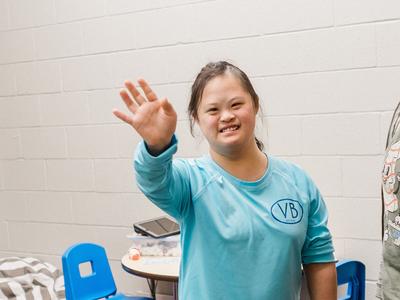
(100, 283)
(353, 273)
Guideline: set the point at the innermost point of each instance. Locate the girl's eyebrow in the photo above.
(213, 103)
(236, 98)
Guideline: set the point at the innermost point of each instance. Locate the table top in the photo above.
(165, 268)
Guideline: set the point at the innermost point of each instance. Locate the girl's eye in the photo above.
(236, 105)
(211, 110)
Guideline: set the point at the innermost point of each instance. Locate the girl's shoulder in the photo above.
(292, 171)
(200, 166)
(198, 172)
(194, 167)
(285, 166)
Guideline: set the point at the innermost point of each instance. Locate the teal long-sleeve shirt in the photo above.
(240, 239)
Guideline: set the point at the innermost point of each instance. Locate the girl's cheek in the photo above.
(213, 120)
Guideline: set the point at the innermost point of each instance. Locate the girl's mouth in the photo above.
(229, 128)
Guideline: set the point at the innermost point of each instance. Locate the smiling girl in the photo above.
(249, 221)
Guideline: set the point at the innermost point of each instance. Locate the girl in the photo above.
(249, 221)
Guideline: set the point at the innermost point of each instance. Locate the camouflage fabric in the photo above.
(389, 281)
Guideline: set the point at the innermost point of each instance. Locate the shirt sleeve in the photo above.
(164, 181)
(318, 247)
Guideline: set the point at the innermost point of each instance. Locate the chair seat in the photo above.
(120, 296)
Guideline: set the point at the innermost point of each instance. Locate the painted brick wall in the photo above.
(326, 70)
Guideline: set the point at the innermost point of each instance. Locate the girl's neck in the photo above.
(248, 164)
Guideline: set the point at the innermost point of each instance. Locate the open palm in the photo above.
(154, 119)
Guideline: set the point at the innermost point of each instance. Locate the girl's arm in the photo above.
(321, 280)
(163, 180)
(317, 253)
(155, 121)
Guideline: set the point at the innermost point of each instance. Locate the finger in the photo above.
(167, 106)
(135, 93)
(122, 116)
(128, 101)
(150, 95)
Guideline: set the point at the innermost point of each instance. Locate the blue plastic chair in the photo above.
(351, 272)
(99, 284)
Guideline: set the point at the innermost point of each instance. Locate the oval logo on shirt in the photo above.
(287, 211)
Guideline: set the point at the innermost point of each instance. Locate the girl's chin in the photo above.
(228, 146)
(229, 140)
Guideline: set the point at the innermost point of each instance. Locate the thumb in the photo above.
(167, 106)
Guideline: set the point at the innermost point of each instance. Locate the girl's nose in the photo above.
(227, 116)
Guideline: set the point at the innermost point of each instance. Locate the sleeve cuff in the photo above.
(144, 155)
(321, 258)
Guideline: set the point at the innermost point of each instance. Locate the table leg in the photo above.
(153, 287)
(175, 290)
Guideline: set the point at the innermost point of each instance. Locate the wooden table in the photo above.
(154, 268)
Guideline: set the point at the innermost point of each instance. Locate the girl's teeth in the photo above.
(229, 129)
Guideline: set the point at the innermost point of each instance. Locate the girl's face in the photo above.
(226, 115)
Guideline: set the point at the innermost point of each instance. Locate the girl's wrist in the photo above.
(157, 149)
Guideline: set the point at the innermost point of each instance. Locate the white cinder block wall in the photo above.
(327, 72)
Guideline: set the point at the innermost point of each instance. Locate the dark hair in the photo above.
(210, 71)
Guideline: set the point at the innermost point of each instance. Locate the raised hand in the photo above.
(154, 119)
